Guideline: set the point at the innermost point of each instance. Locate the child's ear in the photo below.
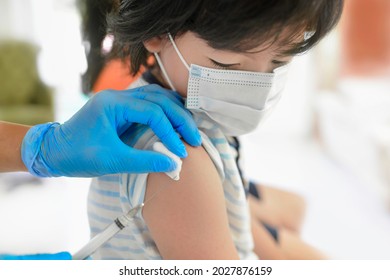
(155, 44)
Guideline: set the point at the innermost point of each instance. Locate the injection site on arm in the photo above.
(188, 219)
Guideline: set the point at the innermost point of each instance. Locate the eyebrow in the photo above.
(222, 64)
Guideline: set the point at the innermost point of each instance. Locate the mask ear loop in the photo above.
(159, 62)
(178, 52)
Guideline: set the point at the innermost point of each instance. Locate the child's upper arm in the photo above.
(188, 219)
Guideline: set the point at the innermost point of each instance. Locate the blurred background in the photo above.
(328, 140)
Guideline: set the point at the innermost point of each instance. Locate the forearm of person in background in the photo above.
(11, 137)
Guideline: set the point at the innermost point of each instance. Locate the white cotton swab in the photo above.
(175, 174)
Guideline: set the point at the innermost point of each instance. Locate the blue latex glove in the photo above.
(58, 256)
(89, 144)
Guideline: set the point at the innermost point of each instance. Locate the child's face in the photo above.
(197, 51)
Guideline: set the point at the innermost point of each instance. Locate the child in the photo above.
(227, 59)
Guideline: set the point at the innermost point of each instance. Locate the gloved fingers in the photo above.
(142, 92)
(151, 114)
(182, 122)
(180, 118)
(58, 256)
(153, 88)
(141, 161)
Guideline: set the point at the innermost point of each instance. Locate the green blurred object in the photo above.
(24, 98)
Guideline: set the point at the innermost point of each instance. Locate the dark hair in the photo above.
(235, 25)
(94, 29)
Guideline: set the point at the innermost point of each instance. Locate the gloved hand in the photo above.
(58, 256)
(89, 144)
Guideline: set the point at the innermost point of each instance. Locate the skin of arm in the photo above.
(188, 218)
(11, 137)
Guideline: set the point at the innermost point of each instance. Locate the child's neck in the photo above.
(157, 74)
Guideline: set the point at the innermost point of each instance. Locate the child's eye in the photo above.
(221, 65)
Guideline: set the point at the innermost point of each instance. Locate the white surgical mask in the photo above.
(235, 100)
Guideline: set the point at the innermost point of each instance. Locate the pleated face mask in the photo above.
(237, 101)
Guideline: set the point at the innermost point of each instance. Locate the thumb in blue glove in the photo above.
(58, 256)
(89, 144)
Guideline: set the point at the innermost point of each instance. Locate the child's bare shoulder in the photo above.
(188, 219)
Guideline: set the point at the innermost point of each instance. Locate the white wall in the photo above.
(16, 19)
